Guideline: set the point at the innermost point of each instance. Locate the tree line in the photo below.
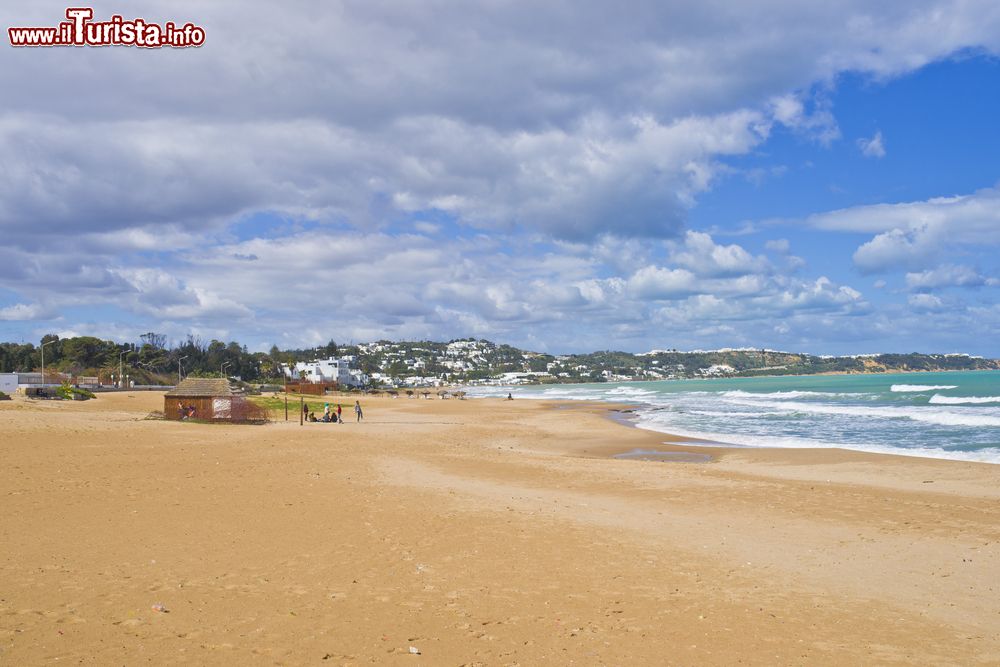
(151, 361)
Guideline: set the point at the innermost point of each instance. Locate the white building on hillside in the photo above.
(327, 370)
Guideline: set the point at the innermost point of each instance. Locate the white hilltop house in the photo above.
(327, 370)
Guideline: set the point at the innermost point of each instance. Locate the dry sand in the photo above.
(478, 532)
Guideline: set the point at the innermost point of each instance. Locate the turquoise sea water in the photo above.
(953, 415)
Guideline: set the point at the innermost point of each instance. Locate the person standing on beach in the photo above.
(339, 418)
(357, 410)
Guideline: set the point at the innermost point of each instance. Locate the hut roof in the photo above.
(201, 387)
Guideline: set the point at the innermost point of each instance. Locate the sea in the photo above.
(950, 415)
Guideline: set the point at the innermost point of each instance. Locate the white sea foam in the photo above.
(738, 393)
(733, 413)
(652, 423)
(630, 391)
(985, 455)
(563, 394)
(938, 399)
(921, 414)
(921, 387)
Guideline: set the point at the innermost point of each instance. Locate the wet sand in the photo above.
(478, 532)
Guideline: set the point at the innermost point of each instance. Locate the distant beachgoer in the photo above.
(326, 411)
(339, 411)
(357, 410)
(181, 411)
(510, 397)
(305, 410)
(312, 417)
(190, 412)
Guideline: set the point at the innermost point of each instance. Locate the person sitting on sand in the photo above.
(312, 416)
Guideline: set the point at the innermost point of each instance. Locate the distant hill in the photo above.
(460, 361)
(674, 364)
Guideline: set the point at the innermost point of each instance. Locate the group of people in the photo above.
(330, 414)
(186, 411)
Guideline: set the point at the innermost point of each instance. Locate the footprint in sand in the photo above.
(130, 622)
(71, 619)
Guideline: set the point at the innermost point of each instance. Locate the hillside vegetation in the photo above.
(152, 361)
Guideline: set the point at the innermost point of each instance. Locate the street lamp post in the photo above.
(222, 370)
(42, 348)
(121, 377)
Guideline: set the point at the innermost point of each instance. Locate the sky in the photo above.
(559, 176)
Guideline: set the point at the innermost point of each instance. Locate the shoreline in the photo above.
(681, 443)
(877, 470)
(988, 454)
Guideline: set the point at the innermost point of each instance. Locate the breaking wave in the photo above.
(938, 399)
(921, 387)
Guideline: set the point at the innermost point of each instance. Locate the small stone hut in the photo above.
(212, 398)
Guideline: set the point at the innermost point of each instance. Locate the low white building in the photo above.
(327, 370)
(418, 381)
(12, 382)
(8, 382)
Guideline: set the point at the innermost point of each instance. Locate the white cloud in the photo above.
(571, 119)
(821, 292)
(913, 233)
(414, 285)
(948, 275)
(771, 300)
(925, 302)
(25, 311)
(568, 134)
(896, 248)
(635, 176)
(781, 246)
(653, 282)
(872, 147)
(819, 123)
(699, 253)
(427, 227)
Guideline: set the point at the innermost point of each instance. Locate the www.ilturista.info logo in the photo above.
(80, 30)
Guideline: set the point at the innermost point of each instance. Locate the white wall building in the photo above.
(327, 370)
(8, 382)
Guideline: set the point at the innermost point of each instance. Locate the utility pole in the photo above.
(179, 378)
(222, 369)
(301, 402)
(42, 348)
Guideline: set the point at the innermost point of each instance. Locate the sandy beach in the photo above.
(477, 532)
